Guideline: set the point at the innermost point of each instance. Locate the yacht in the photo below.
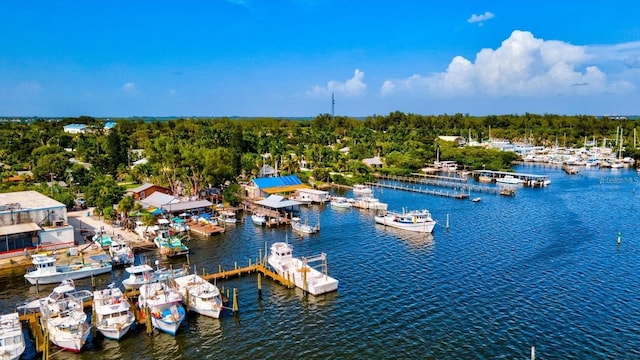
(415, 220)
(510, 179)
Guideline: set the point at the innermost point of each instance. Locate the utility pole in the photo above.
(51, 174)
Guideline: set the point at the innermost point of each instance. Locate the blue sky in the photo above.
(286, 57)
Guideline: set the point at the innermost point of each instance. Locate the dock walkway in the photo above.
(463, 188)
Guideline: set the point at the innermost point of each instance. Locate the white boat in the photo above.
(12, 343)
(164, 305)
(179, 225)
(369, 203)
(340, 202)
(299, 271)
(102, 239)
(362, 190)
(66, 289)
(259, 219)
(415, 220)
(305, 228)
(476, 199)
(200, 295)
(139, 274)
(169, 245)
(113, 312)
(121, 253)
(510, 179)
(228, 217)
(66, 323)
(46, 271)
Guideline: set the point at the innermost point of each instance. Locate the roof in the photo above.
(187, 205)
(18, 228)
(158, 199)
(278, 181)
(141, 188)
(372, 161)
(25, 200)
(277, 202)
(109, 125)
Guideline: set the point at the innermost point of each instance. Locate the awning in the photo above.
(19, 228)
(284, 189)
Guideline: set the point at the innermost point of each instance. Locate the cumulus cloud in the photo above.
(480, 19)
(522, 66)
(354, 86)
(129, 88)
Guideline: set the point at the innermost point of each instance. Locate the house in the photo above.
(261, 187)
(29, 219)
(172, 204)
(266, 171)
(311, 196)
(459, 140)
(147, 189)
(373, 162)
(75, 128)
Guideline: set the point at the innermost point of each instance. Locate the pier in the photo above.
(205, 229)
(440, 181)
(531, 180)
(420, 190)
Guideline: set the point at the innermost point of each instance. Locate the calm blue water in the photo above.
(540, 269)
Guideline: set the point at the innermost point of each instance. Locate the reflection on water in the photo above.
(415, 239)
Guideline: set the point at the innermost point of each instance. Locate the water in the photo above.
(540, 269)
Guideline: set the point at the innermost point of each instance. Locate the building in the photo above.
(373, 162)
(171, 204)
(144, 190)
(262, 187)
(459, 140)
(75, 128)
(29, 219)
(311, 196)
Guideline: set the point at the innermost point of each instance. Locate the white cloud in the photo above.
(129, 88)
(522, 66)
(480, 19)
(351, 87)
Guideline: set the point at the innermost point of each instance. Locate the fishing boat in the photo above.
(46, 271)
(66, 289)
(139, 274)
(200, 295)
(362, 190)
(163, 303)
(339, 202)
(12, 343)
(121, 253)
(303, 228)
(299, 271)
(414, 220)
(113, 312)
(259, 219)
(169, 245)
(66, 322)
(509, 179)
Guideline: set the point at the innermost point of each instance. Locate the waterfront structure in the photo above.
(414, 220)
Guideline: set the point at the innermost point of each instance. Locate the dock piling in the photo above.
(259, 286)
(235, 301)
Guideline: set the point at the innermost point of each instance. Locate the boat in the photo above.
(414, 220)
(66, 322)
(12, 343)
(169, 245)
(362, 190)
(179, 225)
(139, 274)
(339, 202)
(228, 217)
(509, 179)
(259, 219)
(476, 199)
(369, 203)
(113, 312)
(66, 289)
(305, 228)
(163, 303)
(121, 253)
(299, 271)
(46, 271)
(200, 295)
(102, 239)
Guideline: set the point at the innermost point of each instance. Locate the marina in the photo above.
(432, 290)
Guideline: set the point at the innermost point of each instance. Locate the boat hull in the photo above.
(58, 277)
(421, 227)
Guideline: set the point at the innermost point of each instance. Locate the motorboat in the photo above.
(200, 295)
(141, 274)
(45, 270)
(179, 225)
(163, 303)
(476, 199)
(102, 239)
(66, 289)
(298, 271)
(339, 202)
(114, 317)
(169, 245)
(12, 343)
(121, 253)
(66, 322)
(414, 220)
(303, 228)
(509, 179)
(228, 217)
(362, 190)
(259, 219)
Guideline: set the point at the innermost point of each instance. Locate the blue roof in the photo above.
(264, 183)
(109, 125)
(75, 126)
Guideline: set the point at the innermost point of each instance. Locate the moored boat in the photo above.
(299, 271)
(303, 228)
(121, 253)
(169, 245)
(362, 190)
(510, 179)
(66, 289)
(415, 220)
(113, 312)
(369, 203)
(228, 217)
(259, 219)
(46, 271)
(66, 323)
(200, 295)
(164, 305)
(139, 274)
(340, 202)
(12, 343)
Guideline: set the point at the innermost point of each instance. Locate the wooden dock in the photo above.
(205, 230)
(462, 188)
(420, 190)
